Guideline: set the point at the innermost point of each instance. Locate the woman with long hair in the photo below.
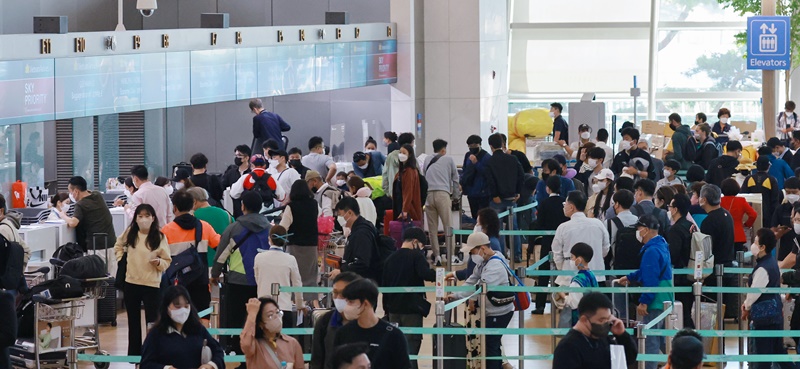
(601, 199)
(147, 253)
(300, 219)
(406, 190)
(663, 197)
(263, 344)
(178, 339)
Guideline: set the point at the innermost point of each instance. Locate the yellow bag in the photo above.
(377, 186)
(535, 123)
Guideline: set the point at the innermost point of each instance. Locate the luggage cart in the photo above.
(27, 354)
(94, 291)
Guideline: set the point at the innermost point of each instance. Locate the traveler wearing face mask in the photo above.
(300, 220)
(201, 178)
(491, 270)
(274, 265)
(552, 207)
(263, 343)
(317, 160)
(587, 345)
(92, 216)
(602, 195)
(149, 193)
(329, 323)
(388, 345)
(624, 162)
(623, 200)
(179, 339)
(781, 223)
(655, 271)
(283, 174)
(361, 191)
(680, 249)
(473, 176)
(560, 126)
(764, 183)
(591, 167)
(706, 147)
(488, 223)
(182, 180)
(407, 267)
(764, 309)
(723, 125)
(671, 168)
(295, 161)
(575, 148)
(241, 166)
(551, 168)
(680, 137)
(579, 228)
(407, 195)
(581, 255)
(777, 155)
(718, 224)
(364, 167)
(738, 207)
(148, 257)
(359, 256)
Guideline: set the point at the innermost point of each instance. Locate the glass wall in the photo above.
(8, 158)
(32, 154)
(83, 149)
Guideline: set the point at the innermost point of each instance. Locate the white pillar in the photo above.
(406, 94)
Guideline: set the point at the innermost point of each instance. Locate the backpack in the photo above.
(261, 187)
(690, 149)
(62, 287)
(659, 214)
(423, 188)
(248, 243)
(187, 266)
(717, 146)
(85, 267)
(701, 242)
(626, 248)
(12, 260)
(68, 251)
(338, 195)
(385, 248)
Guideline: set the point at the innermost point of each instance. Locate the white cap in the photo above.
(474, 240)
(605, 174)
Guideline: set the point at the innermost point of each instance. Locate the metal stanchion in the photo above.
(484, 301)
(641, 341)
(669, 324)
(697, 291)
(740, 260)
(72, 357)
(275, 290)
(440, 336)
(521, 321)
(449, 245)
(719, 270)
(553, 310)
(510, 239)
(214, 321)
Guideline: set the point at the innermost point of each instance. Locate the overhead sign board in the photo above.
(768, 43)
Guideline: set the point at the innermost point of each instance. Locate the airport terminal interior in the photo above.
(625, 169)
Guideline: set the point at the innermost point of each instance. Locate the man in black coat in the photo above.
(551, 215)
(724, 166)
(8, 330)
(360, 252)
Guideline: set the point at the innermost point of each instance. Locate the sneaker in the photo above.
(507, 365)
(457, 261)
(438, 261)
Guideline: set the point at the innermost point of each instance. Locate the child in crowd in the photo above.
(581, 255)
(341, 181)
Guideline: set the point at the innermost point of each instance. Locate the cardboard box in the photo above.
(745, 126)
(657, 145)
(653, 127)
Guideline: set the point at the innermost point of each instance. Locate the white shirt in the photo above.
(784, 120)
(580, 229)
(286, 179)
(666, 182)
(760, 280)
(238, 188)
(609, 154)
(276, 266)
(155, 196)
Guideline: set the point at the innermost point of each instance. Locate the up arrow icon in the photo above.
(764, 27)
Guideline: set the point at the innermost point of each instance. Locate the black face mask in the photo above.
(545, 176)
(474, 150)
(600, 330)
(673, 127)
(295, 163)
(237, 161)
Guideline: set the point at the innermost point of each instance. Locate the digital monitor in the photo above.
(26, 91)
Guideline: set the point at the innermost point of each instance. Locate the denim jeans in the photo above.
(494, 342)
(501, 207)
(653, 344)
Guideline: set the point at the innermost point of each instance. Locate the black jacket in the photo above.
(504, 175)
(324, 332)
(719, 225)
(782, 216)
(680, 243)
(767, 186)
(210, 183)
(406, 268)
(721, 168)
(8, 330)
(360, 253)
(795, 162)
(788, 157)
(706, 153)
(624, 159)
(550, 216)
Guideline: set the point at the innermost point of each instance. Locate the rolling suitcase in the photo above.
(107, 305)
(455, 345)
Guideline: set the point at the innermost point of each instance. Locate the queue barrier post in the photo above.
(72, 357)
(521, 321)
(275, 290)
(640, 337)
(553, 310)
(214, 321)
(484, 301)
(450, 245)
(440, 336)
(669, 324)
(719, 270)
(697, 291)
(742, 324)
(510, 239)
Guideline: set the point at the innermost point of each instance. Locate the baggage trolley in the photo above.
(95, 290)
(32, 354)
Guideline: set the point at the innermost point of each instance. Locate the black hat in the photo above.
(762, 164)
(648, 221)
(414, 233)
(181, 174)
(687, 352)
(281, 153)
(625, 126)
(359, 156)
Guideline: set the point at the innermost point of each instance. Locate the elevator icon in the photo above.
(768, 40)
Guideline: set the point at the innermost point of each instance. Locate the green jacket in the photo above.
(679, 139)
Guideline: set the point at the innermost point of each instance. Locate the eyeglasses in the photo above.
(273, 315)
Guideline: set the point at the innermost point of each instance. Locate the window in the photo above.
(32, 135)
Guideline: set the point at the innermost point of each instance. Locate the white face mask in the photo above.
(754, 249)
(340, 182)
(351, 312)
(723, 120)
(64, 207)
(586, 135)
(552, 115)
(599, 186)
(72, 198)
(127, 193)
(639, 236)
(402, 157)
(477, 228)
(273, 325)
(144, 223)
(169, 190)
(179, 186)
(797, 228)
(477, 259)
(592, 163)
(667, 173)
(625, 145)
(180, 315)
(791, 198)
(363, 166)
(339, 304)
(273, 163)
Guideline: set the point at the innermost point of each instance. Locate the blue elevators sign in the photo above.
(768, 43)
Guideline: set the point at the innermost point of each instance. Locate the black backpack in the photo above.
(423, 188)
(261, 187)
(68, 251)
(690, 149)
(85, 267)
(659, 213)
(626, 248)
(12, 259)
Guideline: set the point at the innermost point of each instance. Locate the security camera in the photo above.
(146, 7)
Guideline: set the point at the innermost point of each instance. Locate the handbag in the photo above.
(122, 270)
(767, 312)
(187, 266)
(521, 300)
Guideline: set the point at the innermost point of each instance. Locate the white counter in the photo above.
(120, 219)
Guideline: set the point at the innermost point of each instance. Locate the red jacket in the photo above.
(738, 207)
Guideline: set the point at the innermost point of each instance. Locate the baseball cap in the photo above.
(414, 233)
(181, 174)
(625, 126)
(605, 174)
(359, 156)
(687, 352)
(258, 159)
(311, 174)
(474, 240)
(648, 221)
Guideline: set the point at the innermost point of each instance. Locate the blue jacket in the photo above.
(654, 271)
(541, 189)
(780, 170)
(268, 125)
(473, 176)
(375, 166)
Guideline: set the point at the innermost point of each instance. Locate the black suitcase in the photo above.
(107, 306)
(455, 345)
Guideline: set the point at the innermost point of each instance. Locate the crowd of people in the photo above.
(627, 210)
